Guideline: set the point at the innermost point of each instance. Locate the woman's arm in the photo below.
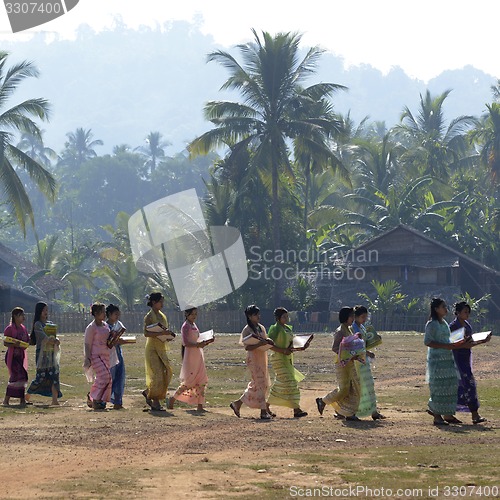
(261, 343)
(463, 344)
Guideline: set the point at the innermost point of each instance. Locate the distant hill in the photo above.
(125, 83)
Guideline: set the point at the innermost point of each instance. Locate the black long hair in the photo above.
(187, 312)
(39, 307)
(435, 303)
(250, 311)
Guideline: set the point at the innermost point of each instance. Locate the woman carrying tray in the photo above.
(285, 389)
(16, 358)
(193, 374)
(368, 399)
(48, 355)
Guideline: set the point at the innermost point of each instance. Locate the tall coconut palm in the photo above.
(153, 150)
(270, 84)
(433, 147)
(35, 148)
(487, 135)
(79, 148)
(19, 118)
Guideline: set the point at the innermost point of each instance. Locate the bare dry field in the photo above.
(74, 452)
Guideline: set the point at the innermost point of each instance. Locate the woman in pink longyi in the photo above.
(16, 357)
(193, 372)
(97, 363)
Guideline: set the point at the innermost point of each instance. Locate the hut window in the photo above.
(428, 276)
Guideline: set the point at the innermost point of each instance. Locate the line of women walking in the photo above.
(451, 381)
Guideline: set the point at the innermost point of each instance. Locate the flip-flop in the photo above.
(157, 408)
(478, 420)
(453, 420)
(300, 414)
(236, 411)
(441, 422)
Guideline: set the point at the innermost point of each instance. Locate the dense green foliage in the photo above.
(280, 164)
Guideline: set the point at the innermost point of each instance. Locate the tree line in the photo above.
(279, 163)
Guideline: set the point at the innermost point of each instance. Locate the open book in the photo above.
(114, 335)
(253, 339)
(12, 340)
(155, 328)
(458, 335)
(480, 336)
(208, 335)
(167, 337)
(301, 342)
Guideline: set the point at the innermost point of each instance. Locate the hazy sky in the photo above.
(423, 37)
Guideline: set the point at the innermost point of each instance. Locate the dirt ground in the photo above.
(74, 452)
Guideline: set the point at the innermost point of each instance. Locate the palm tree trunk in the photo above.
(306, 197)
(276, 221)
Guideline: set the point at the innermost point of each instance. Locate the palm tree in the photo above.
(487, 135)
(153, 150)
(432, 147)
(270, 83)
(79, 148)
(19, 118)
(34, 147)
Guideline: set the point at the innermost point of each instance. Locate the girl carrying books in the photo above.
(97, 359)
(467, 389)
(16, 357)
(158, 370)
(344, 399)
(368, 399)
(441, 371)
(193, 375)
(118, 367)
(48, 355)
(285, 389)
(257, 391)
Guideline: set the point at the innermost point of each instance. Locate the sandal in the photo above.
(321, 405)
(300, 413)
(265, 416)
(149, 402)
(478, 420)
(453, 420)
(338, 416)
(157, 408)
(378, 416)
(441, 422)
(353, 418)
(235, 410)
